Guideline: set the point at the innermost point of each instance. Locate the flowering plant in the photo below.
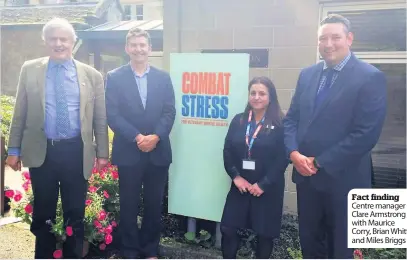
(101, 209)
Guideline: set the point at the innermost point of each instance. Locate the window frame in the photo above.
(137, 16)
(394, 57)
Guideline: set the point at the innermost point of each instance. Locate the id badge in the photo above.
(249, 164)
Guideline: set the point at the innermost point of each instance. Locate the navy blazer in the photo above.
(344, 129)
(127, 117)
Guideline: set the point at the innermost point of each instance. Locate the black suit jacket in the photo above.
(127, 117)
(268, 152)
(343, 130)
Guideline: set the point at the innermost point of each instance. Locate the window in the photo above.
(127, 12)
(389, 155)
(380, 39)
(139, 12)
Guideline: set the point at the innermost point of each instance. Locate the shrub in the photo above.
(7, 106)
(101, 210)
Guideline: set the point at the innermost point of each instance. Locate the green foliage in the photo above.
(7, 107)
(384, 253)
(294, 253)
(203, 239)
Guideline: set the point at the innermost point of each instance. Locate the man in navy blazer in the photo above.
(140, 107)
(334, 121)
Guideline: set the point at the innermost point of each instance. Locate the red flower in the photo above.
(97, 224)
(18, 196)
(358, 254)
(57, 253)
(109, 229)
(108, 239)
(93, 189)
(106, 194)
(28, 209)
(102, 246)
(94, 170)
(88, 202)
(102, 174)
(102, 215)
(69, 231)
(114, 224)
(9, 193)
(26, 175)
(115, 175)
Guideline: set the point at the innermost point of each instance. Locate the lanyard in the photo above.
(249, 145)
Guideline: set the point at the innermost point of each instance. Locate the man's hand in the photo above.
(303, 164)
(101, 163)
(255, 190)
(148, 143)
(14, 162)
(241, 184)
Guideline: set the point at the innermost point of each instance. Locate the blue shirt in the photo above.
(142, 85)
(71, 86)
(336, 69)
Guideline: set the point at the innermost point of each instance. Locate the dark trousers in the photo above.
(61, 172)
(231, 242)
(322, 223)
(144, 242)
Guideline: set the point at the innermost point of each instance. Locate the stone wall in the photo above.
(17, 46)
(288, 28)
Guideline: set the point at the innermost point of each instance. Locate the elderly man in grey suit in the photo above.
(59, 112)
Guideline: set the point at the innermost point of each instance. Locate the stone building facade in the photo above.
(288, 30)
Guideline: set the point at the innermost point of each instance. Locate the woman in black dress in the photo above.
(255, 159)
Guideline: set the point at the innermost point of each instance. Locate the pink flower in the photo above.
(114, 224)
(115, 175)
(94, 170)
(108, 239)
(9, 193)
(28, 209)
(18, 196)
(102, 174)
(109, 229)
(26, 175)
(102, 246)
(69, 231)
(358, 254)
(97, 224)
(101, 215)
(26, 186)
(88, 202)
(57, 253)
(106, 194)
(93, 189)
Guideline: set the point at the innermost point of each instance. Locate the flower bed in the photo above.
(101, 210)
(102, 220)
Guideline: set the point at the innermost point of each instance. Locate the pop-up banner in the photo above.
(210, 89)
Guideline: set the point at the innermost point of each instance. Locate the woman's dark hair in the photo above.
(274, 115)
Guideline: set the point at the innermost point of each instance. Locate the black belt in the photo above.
(54, 142)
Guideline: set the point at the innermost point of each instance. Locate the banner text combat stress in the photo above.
(377, 219)
(205, 98)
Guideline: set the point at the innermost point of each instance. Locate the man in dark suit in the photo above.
(334, 121)
(140, 111)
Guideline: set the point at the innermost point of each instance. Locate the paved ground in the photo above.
(16, 242)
